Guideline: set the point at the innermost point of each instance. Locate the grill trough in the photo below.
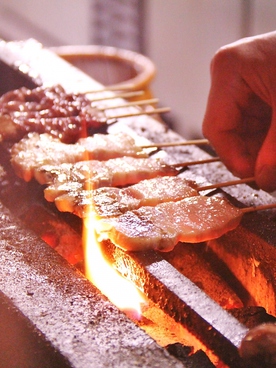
(203, 299)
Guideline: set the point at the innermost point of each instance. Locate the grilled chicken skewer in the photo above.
(43, 110)
(31, 155)
(51, 110)
(94, 174)
(111, 201)
(193, 220)
(36, 150)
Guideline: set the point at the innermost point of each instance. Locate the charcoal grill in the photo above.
(51, 316)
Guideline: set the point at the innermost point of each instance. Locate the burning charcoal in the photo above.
(252, 316)
(56, 232)
(191, 360)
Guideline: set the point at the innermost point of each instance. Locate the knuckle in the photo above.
(225, 57)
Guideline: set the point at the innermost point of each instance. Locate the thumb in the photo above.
(265, 170)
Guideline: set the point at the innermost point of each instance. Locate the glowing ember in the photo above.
(98, 270)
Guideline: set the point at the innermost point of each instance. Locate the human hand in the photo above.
(240, 118)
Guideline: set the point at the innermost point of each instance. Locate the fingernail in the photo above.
(266, 178)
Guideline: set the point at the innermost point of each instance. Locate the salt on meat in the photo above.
(193, 220)
(93, 174)
(36, 150)
(112, 201)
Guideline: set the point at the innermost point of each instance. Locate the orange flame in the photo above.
(108, 280)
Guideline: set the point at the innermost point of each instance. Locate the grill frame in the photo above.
(29, 259)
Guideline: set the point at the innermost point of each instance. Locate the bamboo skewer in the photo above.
(128, 104)
(175, 144)
(123, 87)
(150, 112)
(227, 184)
(261, 207)
(199, 162)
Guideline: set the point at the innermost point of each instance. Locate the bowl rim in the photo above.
(144, 66)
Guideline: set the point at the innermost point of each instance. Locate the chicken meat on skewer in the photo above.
(112, 201)
(117, 172)
(192, 220)
(36, 150)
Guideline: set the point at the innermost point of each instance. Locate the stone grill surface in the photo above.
(76, 324)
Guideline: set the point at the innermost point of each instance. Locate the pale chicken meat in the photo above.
(36, 150)
(192, 220)
(93, 174)
(105, 146)
(112, 201)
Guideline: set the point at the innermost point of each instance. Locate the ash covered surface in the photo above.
(69, 311)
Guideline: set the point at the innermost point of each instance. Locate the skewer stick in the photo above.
(133, 103)
(123, 87)
(261, 207)
(113, 117)
(199, 162)
(175, 144)
(227, 183)
(120, 95)
(150, 112)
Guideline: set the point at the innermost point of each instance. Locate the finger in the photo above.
(265, 172)
(223, 123)
(222, 127)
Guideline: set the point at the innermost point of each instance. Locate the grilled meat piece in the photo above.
(66, 116)
(111, 201)
(93, 174)
(192, 220)
(36, 150)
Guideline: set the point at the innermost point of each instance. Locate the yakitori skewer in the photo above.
(193, 219)
(52, 110)
(118, 176)
(37, 149)
(111, 201)
(104, 119)
(129, 104)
